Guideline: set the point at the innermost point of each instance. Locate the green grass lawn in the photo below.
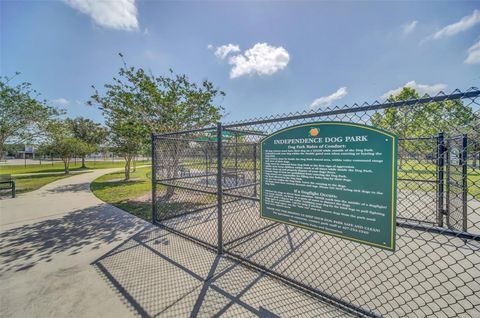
(416, 170)
(113, 189)
(58, 167)
(30, 183)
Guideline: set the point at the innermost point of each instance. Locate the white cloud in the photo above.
(118, 14)
(409, 27)
(473, 56)
(224, 50)
(422, 89)
(261, 59)
(326, 101)
(464, 24)
(61, 101)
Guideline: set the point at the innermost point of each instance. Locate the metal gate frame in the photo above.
(450, 182)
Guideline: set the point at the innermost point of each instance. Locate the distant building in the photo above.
(27, 153)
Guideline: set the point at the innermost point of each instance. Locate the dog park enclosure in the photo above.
(206, 187)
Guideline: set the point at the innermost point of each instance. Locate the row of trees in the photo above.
(25, 118)
(135, 104)
(73, 137)
(452, 117)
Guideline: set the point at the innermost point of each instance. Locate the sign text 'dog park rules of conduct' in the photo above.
(336, 178)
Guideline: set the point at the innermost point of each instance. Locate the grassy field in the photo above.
(133, 196)
(427, 171)
(113, 189)
(58, 167)
(34, 182)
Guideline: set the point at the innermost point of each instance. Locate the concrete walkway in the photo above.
(65, 253)
(48, 239)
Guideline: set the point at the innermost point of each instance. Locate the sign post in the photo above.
(336, 178)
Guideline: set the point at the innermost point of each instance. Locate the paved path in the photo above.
(48, 238)
(65, 253)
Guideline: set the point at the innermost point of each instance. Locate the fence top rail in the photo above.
(419, 138)
(472, 92)
(246, 131)
(167, 137)
(179, 132)
(457, 94)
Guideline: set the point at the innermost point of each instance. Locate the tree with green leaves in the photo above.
(422, 120)
(88, 131)
(127, 139)
(22, 115)
(66, 148)
(143, 103)
(160, 103)
(61, 143)
(473, 133)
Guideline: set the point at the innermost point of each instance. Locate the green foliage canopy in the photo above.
(423, 120)
(61, 142)
(138, 103)
(22, 115)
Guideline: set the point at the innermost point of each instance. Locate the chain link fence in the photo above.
(206, 188)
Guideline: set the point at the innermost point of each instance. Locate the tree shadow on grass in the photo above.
(25, 246)
(99, 186)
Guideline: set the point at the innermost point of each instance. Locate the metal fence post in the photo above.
(219, 188)
(255, 170)
(236, 159)
(154, 180)
(206, 163)
(464, 181)
(440, 178)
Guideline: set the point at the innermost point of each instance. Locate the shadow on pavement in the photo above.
(78, 187)
(160, 274)
(25, 246)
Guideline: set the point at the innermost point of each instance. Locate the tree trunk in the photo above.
(128, 159)
(66, 164)
(173, 167)
(83, 162)
(2, 144)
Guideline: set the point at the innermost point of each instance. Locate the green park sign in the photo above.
(337, 178)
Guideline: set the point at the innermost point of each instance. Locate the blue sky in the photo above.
(282, 57)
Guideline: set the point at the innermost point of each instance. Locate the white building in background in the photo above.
(27, 153)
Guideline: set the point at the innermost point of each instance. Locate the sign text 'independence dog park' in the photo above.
(337, 178)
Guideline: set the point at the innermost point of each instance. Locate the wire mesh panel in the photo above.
(435, 269)
(417, 182)
(185, 184)
(456, 186)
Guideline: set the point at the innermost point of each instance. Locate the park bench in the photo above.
(233, 174)
(184, 171)
(6, 182)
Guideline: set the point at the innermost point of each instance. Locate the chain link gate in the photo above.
(206, 188)
(456, 182)
(419, 187)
